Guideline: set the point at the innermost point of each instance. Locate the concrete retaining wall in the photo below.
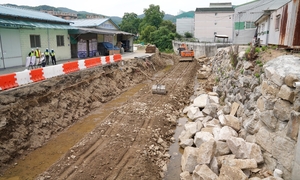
(200, 49)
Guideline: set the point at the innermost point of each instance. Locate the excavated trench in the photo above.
(106, 116)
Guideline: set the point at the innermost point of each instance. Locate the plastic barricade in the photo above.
(91, 62)
(107, 59)
(48, 72)
(103, 60)
(70, 67)
(8, 81)
(81, 64)
(58, 70)
(111, 59)
(117, 57)
(37, 75)
(23, 77)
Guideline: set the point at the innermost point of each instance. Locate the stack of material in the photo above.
(150, 48)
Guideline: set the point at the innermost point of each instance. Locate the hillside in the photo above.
(82, 14)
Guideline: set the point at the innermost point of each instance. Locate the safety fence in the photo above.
(12, 80)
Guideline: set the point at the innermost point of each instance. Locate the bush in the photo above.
(264, 48)
(257, 49)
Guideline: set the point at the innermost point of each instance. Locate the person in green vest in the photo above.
(47, 56)
(31, 59)
(52, 54)
(31, 53)
(38, 56)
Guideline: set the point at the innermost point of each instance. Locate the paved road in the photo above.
(125, 56)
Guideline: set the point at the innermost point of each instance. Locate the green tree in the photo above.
(153, 15)
(145, 34)
(170, 25)
(162, 38)
(188, 35)
(151, 22)
(130, 23)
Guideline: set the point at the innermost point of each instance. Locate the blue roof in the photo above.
(30, 14)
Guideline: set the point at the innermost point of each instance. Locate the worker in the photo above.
(43, 60)
(30, 62)
(52, 54)
(37, 56)
(47, 56)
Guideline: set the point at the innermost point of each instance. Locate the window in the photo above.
(60, 40)
(249, 25)
(35, 41)
(277, 22)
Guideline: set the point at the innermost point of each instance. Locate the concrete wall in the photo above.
(200, 49)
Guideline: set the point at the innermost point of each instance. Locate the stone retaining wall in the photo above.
(251, 131)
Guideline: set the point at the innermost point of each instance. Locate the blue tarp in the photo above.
(110, 46)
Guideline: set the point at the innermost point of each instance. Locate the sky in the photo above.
(119, 7)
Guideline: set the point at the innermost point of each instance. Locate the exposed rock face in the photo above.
(256, 122)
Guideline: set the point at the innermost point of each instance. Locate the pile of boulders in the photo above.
(247, 128)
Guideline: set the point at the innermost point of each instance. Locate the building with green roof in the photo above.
(22, 30)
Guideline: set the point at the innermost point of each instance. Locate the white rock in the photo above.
(185, 175)
(186, 142)
(202, 172)
(189, 159)
(201, 101)
(244, 150)
(206, 152)
(241, 163)
(227, 132)
(202, 137)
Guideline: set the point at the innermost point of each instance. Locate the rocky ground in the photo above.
(62, 128)
(105, 123)
(247, 127)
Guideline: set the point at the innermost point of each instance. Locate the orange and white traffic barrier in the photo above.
(12, 80)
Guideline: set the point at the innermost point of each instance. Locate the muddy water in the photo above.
(174, 166)
(42, 158)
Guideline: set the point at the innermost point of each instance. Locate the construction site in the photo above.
(158, 116)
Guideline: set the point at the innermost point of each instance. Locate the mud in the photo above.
(129, 141)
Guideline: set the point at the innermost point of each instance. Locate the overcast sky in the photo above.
(119, 7)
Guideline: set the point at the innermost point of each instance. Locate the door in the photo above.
(10, 48)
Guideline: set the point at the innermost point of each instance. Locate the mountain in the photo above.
(82, 14)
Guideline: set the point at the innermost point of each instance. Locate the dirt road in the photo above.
(126, 138)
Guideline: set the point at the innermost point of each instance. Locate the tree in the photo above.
(168, 24)
(153, 15)
(130, 23)
(188, 35)
(162, 38)
(145, 34)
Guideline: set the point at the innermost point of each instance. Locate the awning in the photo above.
(79, 30)
(30, 24)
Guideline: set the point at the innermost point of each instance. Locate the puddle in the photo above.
(42, 158)
(174, 166)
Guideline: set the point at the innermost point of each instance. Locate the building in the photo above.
(184, 25)
(90, 33)
(247, 16)
(22, 30)
(214, 21)
(279, 24)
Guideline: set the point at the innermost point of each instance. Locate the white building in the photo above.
(184, 25)
(215, 20)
